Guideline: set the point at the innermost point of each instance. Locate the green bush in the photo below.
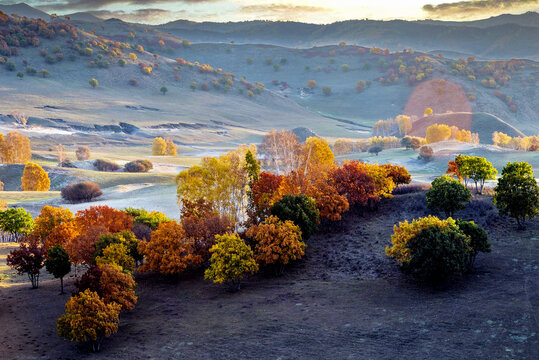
(478, 239)
(58, 264)
(299, 209)
(437, 254)
(124, 237)
(447, 195)
(10, 66)
(149, 219)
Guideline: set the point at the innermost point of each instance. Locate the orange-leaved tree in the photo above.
(353, 182)
(265, 193)
(399, 174)
(88, 318)
(277, 242)
(169, 251)
(48, 218)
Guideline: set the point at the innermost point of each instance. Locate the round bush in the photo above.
(448, 195)
(299, 209)
(437, 254)
(138, 166)
(105, 165)
(81, 191)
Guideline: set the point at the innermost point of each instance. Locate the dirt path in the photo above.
(346, 300)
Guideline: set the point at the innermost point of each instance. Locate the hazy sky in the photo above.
(316, 11)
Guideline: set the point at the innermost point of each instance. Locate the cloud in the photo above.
(140, 15)
(281, 9)
(465, 8)
(78, 5)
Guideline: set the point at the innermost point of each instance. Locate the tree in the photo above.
(311, 84)
(478, 169)
(281, 151)
(15, 149)
(437, 132)
(171, 148)
(316, 157)
(376, 149)
(353, 182)
(93, 83)
(478, 239)
(428, 111)
(448, 195)
(299, 209)
(105, 165)
(88, 318)
(58, 264)
(151, 219)
(112, 220)
(517, 192)
(15, 223)
(264, 194)
(326, 90)
(398, 174)
(60, 153)
(82, 153)
(111, 284)
(436, 253)
(34, 178)
(48, 219)
(163, 90)
(169, 250)
(117, 254)
(159, 147)
(62, 234)
(125, 237)
(277, 242)
(231, 258)
(203, 228)
(27, 259)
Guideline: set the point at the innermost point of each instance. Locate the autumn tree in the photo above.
(15, 149)
(426, 153)
(281, 151)
(124, 237)
(169, 250)
(517, 192)
(88, 318)
(82, 153)
(117, 254)
(316, 157)
(428, 111)
(60, 153)
(48, 219)
(231, 258)
(112, 220)
(299, 209)
(311, 84)
(264, 193)
(171, 148)
(152, 219)
(15, 223)
(58, 264)
(277, 242)
(34, 178)
(478, 169)
(353, 182)
(437, 132)
(448, 195)
(159, 147)
(27, 259)
(93, 82)
(399, 174)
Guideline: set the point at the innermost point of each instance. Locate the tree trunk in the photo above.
(62, 285)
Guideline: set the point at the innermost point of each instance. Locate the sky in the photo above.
(312, 11)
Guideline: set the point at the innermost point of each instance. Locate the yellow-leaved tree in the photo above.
(317, 157)
(117, 254)
(437, 132)
(15, 148)
(231, 258)
(171, 148)
(34, 178)
(48, 219)
(159, 147)
(88, 318)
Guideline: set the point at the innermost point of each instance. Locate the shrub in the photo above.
(117, 254)
(326, 90)
(30, 70)
(27, 259)
(448, 195)
(93, 83)
(231, 258)
(10, 66)
(299, 209)
(88, 318)
(82, 153)
(437, 254)
(163, 90)
(159, 147)
(478, 239)
(138, 166)
(311, 84)
(150, 219)
(34, 178)
(105, 165)
(426, 153)
(44, 73)
(122, 62)
(517, 192)
(277, 242)
(49, 59)
(133, 82)
(58, 264)
(81, 191)
(20, 75)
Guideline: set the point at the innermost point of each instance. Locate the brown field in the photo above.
(344, 300)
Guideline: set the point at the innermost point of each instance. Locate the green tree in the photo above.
(478, 239)
(299, 209)
(476, 168)
(15, 223)
(58, 264)
(164, 90)
(448, 195)
(93, 83)
(517, 192)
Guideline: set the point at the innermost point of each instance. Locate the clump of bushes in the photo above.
(81, 191)
(105, 165)
(448, 195)
(138, 166)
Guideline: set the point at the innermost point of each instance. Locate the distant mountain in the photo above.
(83, 16)
(23, 9)
(498, 37)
